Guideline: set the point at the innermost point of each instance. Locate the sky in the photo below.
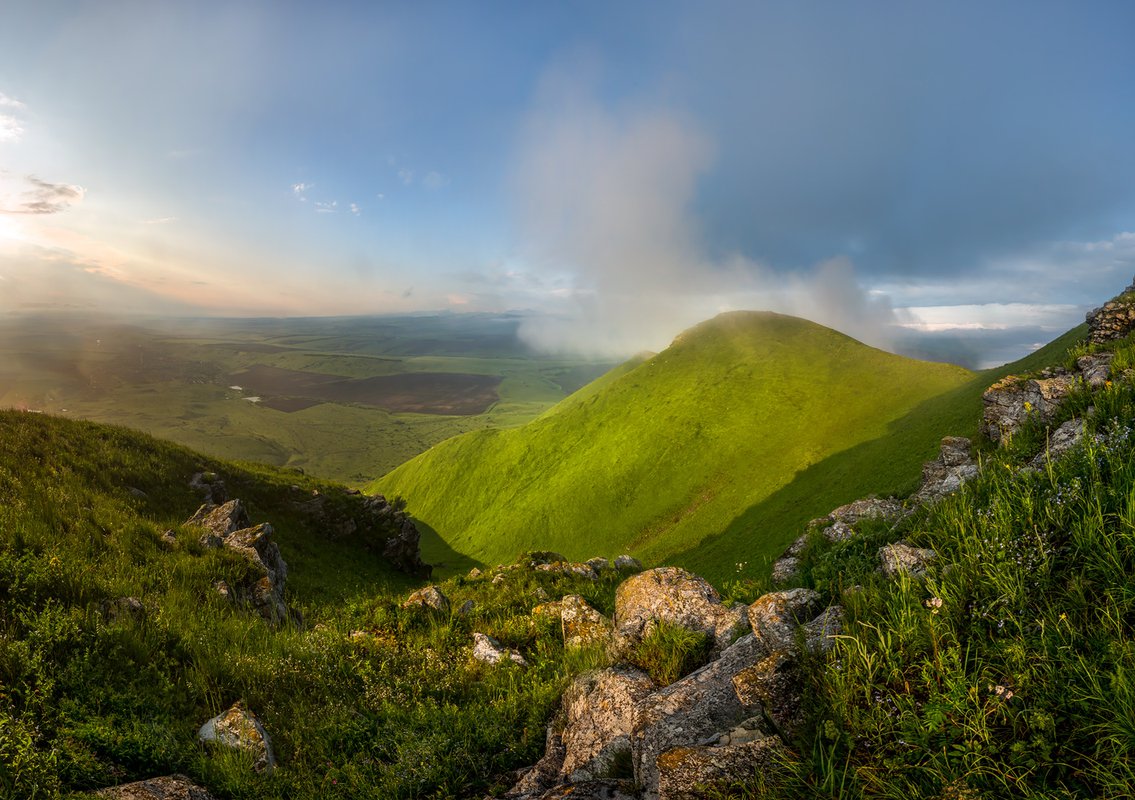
(901, 171)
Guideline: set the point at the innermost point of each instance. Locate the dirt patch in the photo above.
(453, 393)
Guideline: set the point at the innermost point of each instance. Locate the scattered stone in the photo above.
(839, 531)
(1010, 401)
(1095, 368)
(210, 486)
(582, 624)
(352, 492)
(785, 570)
(776, 616)
(466, 608)
(123, 607)
(540, 593)
(684, 772)
(625, 563)
(474, 573)
(569, 568)
(224, 590)
(867, 508)
(137, 492)
(168, 540)
(498, 579)
(169, 787)
(598, 564)
(238, 729)
(673, 595)
(953, 467)
(429, 597)
(900, 557)
(749, 730)
(490, 651)
(219, 522)
(534, 558)
(797, 547)
(267, 593)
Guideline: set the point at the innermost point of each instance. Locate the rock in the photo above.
(839, 531)
(582, 625)
(238, 729)
(775, 686)
(820, 634)
(402, 549)
(1095, 368)
(466, 608)
(797, 546)
(474, 574)
(538, 779)
(683, 772)
(136, 492)
(776, 616)
(429, 597)
(598, 564)
(699, 705)
(219, 522)
(785, 569)
(1010, 401)
(569, 568)
(170, 787)
(124, 608)
(498, 579)
(597, 716)
(900, 557)
(267, 593)
(534, 558)
(224, 590)
(625, 563)
(671, 594)
(168, 540)
(1060, 441)
(867, 508)
(552, 610)
(210, 486)
(1114, 319)
(490, 651)
(953, 467)
(592, 790)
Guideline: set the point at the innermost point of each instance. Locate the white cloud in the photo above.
(434, 180)
(380, 196)
(11, 129)
(11, 102)
(406, 176)
(327, 208)
(43, 197)
(990, 317)
(300, 190)
(355, 209)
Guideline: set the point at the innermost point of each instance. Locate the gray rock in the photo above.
(685, 772)
(820, 634)
(838, 531)
(702, 704)
(582, 625)
(266, 594)
(169, 787)
(625, 563)
(673, 595)
(592, 790)
(773, 685)
(238, 729)
(124, 608)
(1114, 319)
(899, 557)
(1011, 401)
(428, 597)
(1095, 369)
(867, 508)
(776, 616)
(1060, 441)
(219, 522)
(490, 651)
(797, 546)
(168, 540)
(599, 564)
(597, 715)
(466, 608)
(785, 569)
(576, 568)
(474, 573)
(953, 467)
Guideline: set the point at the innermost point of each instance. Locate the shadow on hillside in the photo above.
(446, 561)
(761, 532)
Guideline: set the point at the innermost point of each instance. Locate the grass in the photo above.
(89, 698)
(670, 453)
(1008, 671)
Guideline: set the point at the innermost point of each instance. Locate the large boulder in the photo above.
(698, 706)
(773, 688)
(238, 729)
(582, 624)
(490, 651)
(1095, 368)
(685, 773)
(953, 467)
(1011, 401)
(776, 616)
(219, 522)
(673, 595)
(169, 787)
(598, 713)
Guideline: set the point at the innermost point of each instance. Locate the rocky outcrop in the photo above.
(219, 522)
(1114, 319)
(1012, 400)
(583, 626)
(1060, 441)
(776, 616)
(238, 729)
(868, 508)
(576, 568)
(430, 598)
(169, 787)
(673, 595)
(684, 773)
(1095, 369)
(598, 714)
(945, 475)
(900, 557)
(490, 651)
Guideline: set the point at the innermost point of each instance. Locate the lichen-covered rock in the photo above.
(582, 624)
(474, 573)
(953, 467)
(1095, 368)
(838, 531)
(867, 508)
(592, 790)
(534, 558)
(900, 557)
(625, 563)
(684, 773)
(576, 568)
(490, 651)
(700, 705)
(169, 787)
(673, 595)
(123, 608)
(599, 564)
(1114, 319)
(820, 634)
(550, 610)
(776, 616)
(775, 685)
(1011, 401)
(785, 569)
(238, 729)
(211, 487)
(428, 597)
(1060, 441)
(598, 714)
(266, 593)
(219, 522)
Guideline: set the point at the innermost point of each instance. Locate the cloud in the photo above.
(406, 176)
(604, 202)
(159, 221)
(300, 190)
(11, 129)
(11, 102)
(355, 209)
(326, 208)
(45, 198)
(434, 180)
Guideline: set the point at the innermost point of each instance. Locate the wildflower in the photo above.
(1028, 406)
(741, 565)
(934, 604)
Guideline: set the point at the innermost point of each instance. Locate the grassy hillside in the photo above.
(363, 700)
(676, 449)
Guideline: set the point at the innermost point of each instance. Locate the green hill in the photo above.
(679, 448)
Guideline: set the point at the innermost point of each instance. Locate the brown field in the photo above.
(420, 392)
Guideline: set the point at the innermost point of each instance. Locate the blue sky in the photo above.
(622, 169)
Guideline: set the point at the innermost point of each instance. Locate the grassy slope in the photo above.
(88, 699)
(672, 451)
